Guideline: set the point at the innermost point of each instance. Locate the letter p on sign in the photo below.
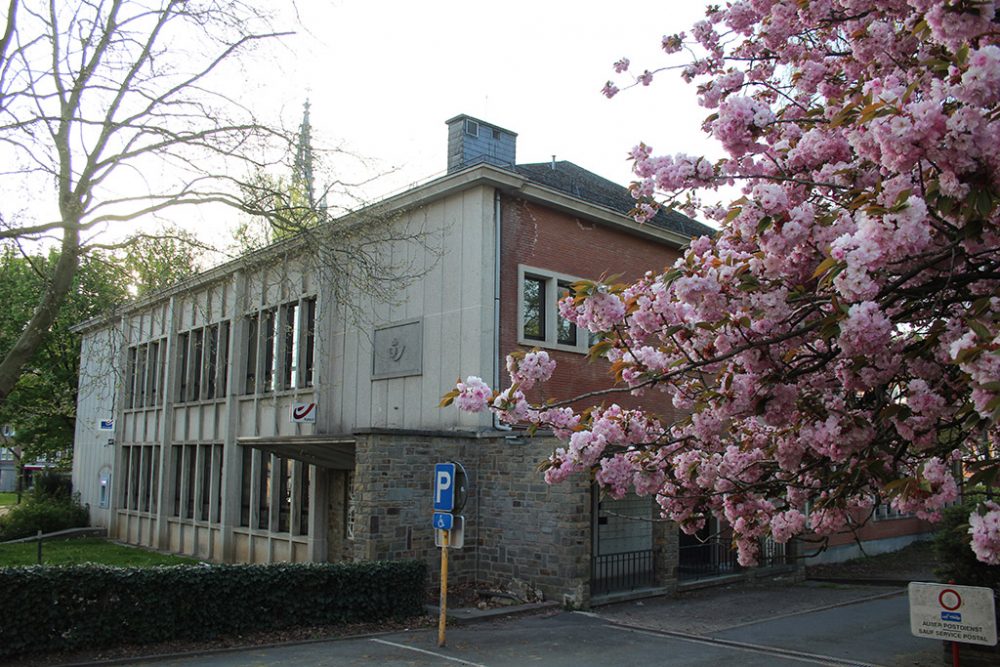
(444, 487)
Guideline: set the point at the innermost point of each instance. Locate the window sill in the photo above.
(259, 532)
(194, 522)
(281, 393)
(147, 408)
(201, 401)
(546, 345)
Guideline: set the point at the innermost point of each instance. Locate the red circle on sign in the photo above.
(958, 599)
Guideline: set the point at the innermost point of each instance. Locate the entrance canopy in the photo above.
(325, 451)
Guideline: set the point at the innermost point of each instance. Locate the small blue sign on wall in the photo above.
(106, 425)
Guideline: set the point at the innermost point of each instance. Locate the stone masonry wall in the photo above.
(529, 531)
(518, 530)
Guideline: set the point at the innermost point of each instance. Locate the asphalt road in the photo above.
(872, 628)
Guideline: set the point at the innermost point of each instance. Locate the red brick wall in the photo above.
(884, 529)
(540, 237)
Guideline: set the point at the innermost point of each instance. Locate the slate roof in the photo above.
(588, 186)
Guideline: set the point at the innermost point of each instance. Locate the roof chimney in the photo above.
(472, 141)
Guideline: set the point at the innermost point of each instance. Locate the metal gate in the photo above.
(623, 557)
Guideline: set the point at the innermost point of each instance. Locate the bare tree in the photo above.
(111, 110)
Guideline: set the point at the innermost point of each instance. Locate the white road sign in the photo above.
(456, 536)
(965, 614)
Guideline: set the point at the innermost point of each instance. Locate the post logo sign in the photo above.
(105, 424)
(963, 614)
(444, 487)
(303, 413)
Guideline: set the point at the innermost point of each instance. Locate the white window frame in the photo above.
(552, 280)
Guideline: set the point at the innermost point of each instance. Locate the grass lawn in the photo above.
(7, 498)
(86, 550)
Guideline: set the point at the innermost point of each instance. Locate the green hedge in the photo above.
(43, 513)
(91, 606)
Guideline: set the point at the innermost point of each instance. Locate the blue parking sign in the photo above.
(444, 487)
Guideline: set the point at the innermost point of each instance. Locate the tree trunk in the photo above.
(43, 317)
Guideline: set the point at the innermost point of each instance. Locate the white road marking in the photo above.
(846, 603)
(436, 655)
(810, 658)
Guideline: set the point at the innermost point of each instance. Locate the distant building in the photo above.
(8, 470)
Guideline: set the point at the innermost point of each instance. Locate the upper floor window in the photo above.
(144, 374)
(280, 346)
(539, 323)
(203, 362)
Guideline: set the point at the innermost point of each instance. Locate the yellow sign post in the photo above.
(444, 587)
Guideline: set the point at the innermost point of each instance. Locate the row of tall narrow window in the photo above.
(274, 493)
(202, 362)
(141, 478)
(197, 482)
(280, 347)
(277, 488)
(144, 374)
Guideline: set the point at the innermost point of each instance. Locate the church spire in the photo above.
(302, 169)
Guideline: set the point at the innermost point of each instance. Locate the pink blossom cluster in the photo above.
(978, 356)
(985, 531)
(741, 120)
(527, 369)
(473, 395)
(837, 341)
(926, 501)
(599, 312)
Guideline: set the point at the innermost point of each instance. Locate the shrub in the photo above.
(51, 484)
(45, 513)
(91, 606)
(956, 560)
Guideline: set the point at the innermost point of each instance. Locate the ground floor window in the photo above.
(197, 482)
(274, 493)
(141, 466)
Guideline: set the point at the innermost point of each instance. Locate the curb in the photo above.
(863, 581)
(470, 615)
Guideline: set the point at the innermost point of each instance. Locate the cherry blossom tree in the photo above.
(837, 344)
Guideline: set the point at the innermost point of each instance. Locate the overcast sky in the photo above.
(384, 75)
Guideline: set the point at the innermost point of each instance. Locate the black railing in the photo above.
(772, 553)
(614, 573)
(711, 558)
(717, 557)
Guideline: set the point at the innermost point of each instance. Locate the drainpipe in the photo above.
(496, 303)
